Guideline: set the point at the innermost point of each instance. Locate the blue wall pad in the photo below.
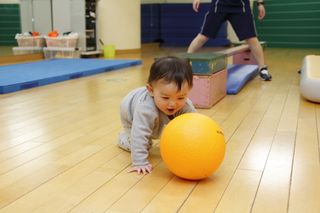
(28, 75)
(239, 75)
(180, 24)
(176, 24)
(150, 23)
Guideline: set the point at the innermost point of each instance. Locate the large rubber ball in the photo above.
(192, 146)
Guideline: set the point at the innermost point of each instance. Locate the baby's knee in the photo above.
(124, 141)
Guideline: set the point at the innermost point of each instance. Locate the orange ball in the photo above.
(192, 146)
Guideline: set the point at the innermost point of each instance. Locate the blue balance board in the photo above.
(239, 75)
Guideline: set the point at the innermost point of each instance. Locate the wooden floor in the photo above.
(58, 148)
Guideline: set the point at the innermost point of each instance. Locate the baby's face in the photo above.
(167, 97)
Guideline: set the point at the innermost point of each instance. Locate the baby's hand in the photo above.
(145, 169)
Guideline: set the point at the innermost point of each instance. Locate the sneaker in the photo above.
(264, 74)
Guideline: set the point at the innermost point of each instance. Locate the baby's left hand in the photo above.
(145, 169)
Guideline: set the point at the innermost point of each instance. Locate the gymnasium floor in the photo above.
(58, 148)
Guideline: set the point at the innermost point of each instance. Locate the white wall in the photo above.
(9, 1)
(119, 24)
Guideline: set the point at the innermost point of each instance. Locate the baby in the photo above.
(145, 111)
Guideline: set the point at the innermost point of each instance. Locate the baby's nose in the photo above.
(172, 104)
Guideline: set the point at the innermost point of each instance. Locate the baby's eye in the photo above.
(166, 98)
(181, 98)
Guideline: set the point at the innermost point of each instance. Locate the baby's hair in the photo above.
(171, 69)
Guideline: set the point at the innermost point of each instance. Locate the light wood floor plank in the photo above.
(273, 191)
(258, 150)
(94, 126)
(173, 196)
(304, 193)
(249, 171)
(143, 192)
(108, 194)
(80, 181)
(244, 183)
(60, 159)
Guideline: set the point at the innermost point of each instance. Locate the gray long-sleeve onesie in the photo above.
(143, 121)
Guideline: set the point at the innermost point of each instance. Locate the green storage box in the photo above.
(206, 63)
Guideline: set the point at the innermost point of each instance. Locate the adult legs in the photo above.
(244, 27)
(257, 51)
(197, 43)
(258, 54)
(210, 28)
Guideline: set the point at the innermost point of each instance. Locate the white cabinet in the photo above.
(62, 15)
(36, 15)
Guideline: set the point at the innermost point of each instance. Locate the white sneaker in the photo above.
(264, 74)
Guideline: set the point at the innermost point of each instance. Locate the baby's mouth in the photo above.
(171, 110)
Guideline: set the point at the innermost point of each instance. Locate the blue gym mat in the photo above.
(28, 75)
(239, 75)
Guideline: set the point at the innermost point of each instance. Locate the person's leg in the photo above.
(210, 28)
(124, 140)
(197, 43)
(256, 50)
(258, 54)
(243, 26)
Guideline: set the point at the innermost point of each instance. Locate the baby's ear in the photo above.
(150, 89)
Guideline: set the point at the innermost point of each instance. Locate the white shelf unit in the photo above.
(62, 15)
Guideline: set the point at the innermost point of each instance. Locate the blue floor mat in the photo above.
(239, 75)
(28, 75)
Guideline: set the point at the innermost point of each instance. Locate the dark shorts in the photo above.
(242, 23)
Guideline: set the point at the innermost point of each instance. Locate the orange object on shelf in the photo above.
(35, 34)
(53, 34)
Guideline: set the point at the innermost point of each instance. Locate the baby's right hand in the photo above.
(145, 169)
